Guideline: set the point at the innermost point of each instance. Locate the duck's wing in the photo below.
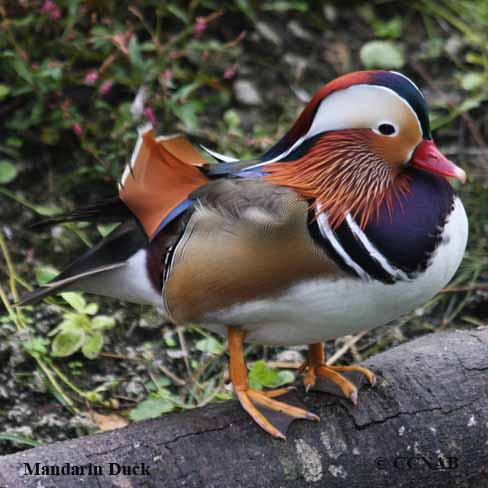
(110, 253)
(246, 240)
(154, 190)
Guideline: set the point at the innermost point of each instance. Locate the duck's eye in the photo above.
(386, 129)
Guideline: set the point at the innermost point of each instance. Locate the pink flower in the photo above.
(199, 26)
(230, 72)
(106, 87)
(167, 75)
(77, 129)
(91, 77)
(51, 10)
(121, 40)
(149, 114)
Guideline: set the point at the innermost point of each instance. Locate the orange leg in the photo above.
(252, 399)
(316, 368)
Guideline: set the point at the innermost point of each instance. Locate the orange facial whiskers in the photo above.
(342, 173)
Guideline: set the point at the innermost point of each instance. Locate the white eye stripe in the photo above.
(357, 106)
(403, 100)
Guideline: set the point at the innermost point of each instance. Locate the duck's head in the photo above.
(354, 142)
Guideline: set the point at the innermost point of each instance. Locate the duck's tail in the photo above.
(154, 189)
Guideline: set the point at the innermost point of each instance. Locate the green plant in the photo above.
(262, 376)
(159, 401)
(78, 87)
(80, 329)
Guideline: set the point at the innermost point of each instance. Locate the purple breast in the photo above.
(410, 235)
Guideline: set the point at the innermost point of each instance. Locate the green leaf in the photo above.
(103, 322)
(22, 70)
(392, 28)
(185, 91)
(93, 396)
(36, 346)
(8, 172)
(76, 300)
(135, 53)
(105, 229)
(147, 47)
(91, 309)
(20, 439)
(286, 376)
(74, 320)
(14, 142)
(50, 136)
(246, 7)
(472, 81)
(285, 6)
(93, 345)
(67, 342)
(178, 13)
(4, 91)
(210, 345)
(232, 119)
(44, 274)
(46, 211)
(475, 58)
(261, 376)
(169, 340)
(382, 54)
(151, 408)
(53, 72)
(158, 383)
(187, 113)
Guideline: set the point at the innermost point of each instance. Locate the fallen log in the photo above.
(425, 424)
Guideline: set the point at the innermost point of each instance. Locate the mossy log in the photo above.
(425, 424)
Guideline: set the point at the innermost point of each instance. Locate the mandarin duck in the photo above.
(345, 224)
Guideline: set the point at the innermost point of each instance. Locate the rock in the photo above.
(330, 13)
(338, 54)
(290, 356)
(297, 64)
(454, 45)
(298, 31)
(268, 33)
(246, 92)
(134, 387)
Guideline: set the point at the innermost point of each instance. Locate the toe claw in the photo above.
(354, 397)
(313, 417)
(280, 436)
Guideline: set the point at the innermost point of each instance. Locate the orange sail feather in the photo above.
(162, 173)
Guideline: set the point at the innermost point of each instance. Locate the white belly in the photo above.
(319, 310)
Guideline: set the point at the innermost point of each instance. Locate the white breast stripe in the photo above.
(328, 234)
(373, 252)
(219, 156)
